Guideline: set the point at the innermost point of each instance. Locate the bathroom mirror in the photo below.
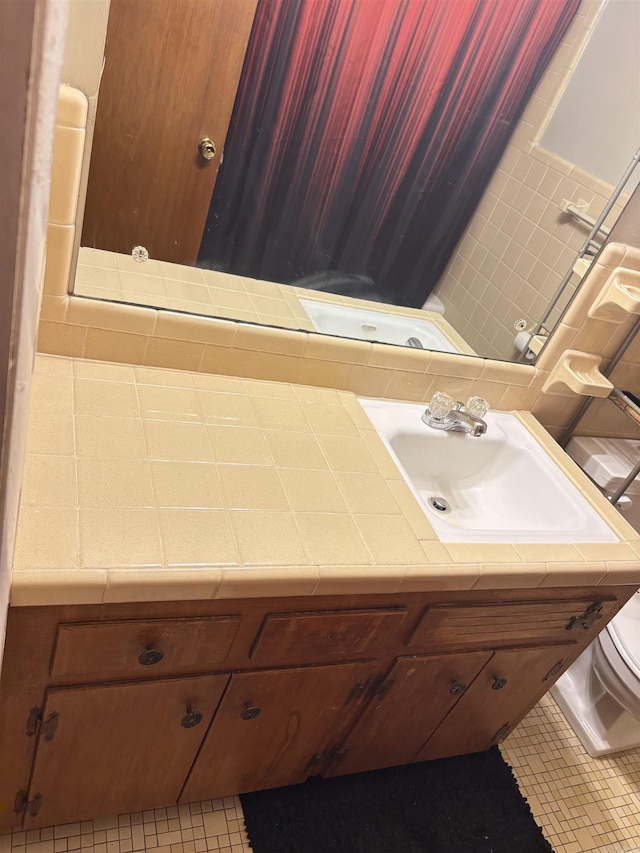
(519, 214)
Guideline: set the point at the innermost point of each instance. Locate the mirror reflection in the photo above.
(418, 173)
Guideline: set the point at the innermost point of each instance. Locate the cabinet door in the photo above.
(505, 689)
(406, 709)
(271, 725)
(119, 747)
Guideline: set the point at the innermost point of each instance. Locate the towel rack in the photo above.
(590, 247)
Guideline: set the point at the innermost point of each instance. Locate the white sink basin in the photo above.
(499, 487)
(347, 322)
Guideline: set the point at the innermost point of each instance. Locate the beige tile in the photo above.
(274, 390)
(337, 349)
(93, 277)
(114, 483)
(184, 442)
(311, 491)
(45, 587)
(175, 404)
(280, 414)
(164, 377)
(248, 582)
(350, 580)
(115, 346)
(118, 538)
(295, 450)
(233, 409)
(266, 306)
(161, 585)
(240, 445)
(270, 340)
(483, 552)
(57, 272)
(188, 291)
(207, 330)
(330, 420)
(399, 358)
(330, 374)
(100, 370)
(106, 315)
(411, 510)
(179, 355)
(197, 537)
(268, 538)
(114, 399)
(367, 493)
(390, 539)
(65, 176)
(514, 576)
(439, 577)
(53, 394)
(106, 438)
(49, 481)
(332, 539)
(347, 453)
(186, 484)
(62, 339)
(369, 381)
(246, 487)
(50, 434)
(53, 365)
(46, 537)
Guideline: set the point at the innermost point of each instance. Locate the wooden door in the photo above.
(119, 747)
(407, 707)
(271, 725)
(505, 689)
(170, 78)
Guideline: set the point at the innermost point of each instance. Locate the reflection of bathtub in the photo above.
(351, 322)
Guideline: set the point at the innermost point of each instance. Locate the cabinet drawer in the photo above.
(143, 647)
(508, 624)
(325, 635)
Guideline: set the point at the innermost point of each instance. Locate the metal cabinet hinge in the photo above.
(23, 805)
(588, 619)
(502, 731)
(36, 724)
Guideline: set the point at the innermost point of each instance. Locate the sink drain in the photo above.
(439, 504)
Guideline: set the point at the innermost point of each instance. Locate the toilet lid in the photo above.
(624, 630)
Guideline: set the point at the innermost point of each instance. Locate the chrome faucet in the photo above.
(443, 413)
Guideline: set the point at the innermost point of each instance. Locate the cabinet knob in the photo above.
(457, 688)
(249, 712)
(498, 683)
(191, 719)
(150, 656)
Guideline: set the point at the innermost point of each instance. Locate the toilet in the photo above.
(600, 693)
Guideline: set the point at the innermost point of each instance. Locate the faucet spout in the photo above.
(456, 420)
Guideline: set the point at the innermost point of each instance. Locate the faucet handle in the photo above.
(440, 405)
(477, 407)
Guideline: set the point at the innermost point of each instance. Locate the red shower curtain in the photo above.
(365, 131)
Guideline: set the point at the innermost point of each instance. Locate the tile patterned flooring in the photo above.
(584, 805)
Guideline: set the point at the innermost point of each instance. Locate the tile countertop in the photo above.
(146, 484)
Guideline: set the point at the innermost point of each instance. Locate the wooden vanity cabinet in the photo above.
(114, 708)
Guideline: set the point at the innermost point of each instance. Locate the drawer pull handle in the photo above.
(150, 656)
(249, 712)
(498, 683)
(555, 669)
(191, 719)
(457, 688)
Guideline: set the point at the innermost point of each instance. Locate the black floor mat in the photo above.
(468, 804)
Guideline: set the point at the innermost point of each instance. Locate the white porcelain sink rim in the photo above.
(336, 314)
(392, 418)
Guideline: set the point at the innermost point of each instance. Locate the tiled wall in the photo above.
(71, 325)
(158, 284)
(519, 243)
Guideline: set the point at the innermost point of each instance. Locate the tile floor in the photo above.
(584, 805)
